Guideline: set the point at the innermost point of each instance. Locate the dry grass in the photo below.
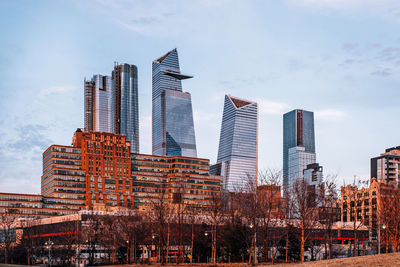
(383, 260)
(392, 260)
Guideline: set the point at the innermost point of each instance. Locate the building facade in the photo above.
(95, 170)
(172, 114)
(112, 104)
(387, 166)
(37, 206)
(313, 174)
(298, 133)
(175, 180)
(99, 104)
(238, 143)
(98, 172)
(126, 103)
(363, 204)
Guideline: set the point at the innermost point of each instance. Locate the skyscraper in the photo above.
(99, 104)
(126, 103)
(173, 127)
(298, 144)
(111, 104)
(237, 152)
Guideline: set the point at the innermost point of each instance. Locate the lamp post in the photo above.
(386, 240)
(48, 245)
(253, 244)
(152, 245)
(127, 251)
(206, 233)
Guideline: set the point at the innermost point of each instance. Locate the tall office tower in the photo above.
(298, 145)
(173, 127)
(387, 166)
(126, 103)
(99, 104)
(237, 152)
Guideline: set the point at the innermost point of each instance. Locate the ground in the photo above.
(383, 260)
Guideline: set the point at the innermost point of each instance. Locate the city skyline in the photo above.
(295, 55)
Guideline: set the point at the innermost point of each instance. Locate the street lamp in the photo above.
(48, 245)
(386, 239)
(254, 244)
(206, 233)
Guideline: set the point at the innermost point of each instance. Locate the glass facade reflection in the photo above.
(99, 104)
(172, 115)
(238, 143)
(298, 131)
(126, 103)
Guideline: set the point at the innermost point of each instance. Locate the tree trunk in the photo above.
(191, 247)
(355, 242)
(302, 243)
(266, 249)
(287, 246)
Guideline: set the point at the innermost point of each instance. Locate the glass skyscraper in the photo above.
(172, 115)
(111, 104)
(237, 152)
(126, 103)
(298, 144)
(99, 104)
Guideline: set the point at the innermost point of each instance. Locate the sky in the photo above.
(337, 58)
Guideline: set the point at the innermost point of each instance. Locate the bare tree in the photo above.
(92, 235)
(328, 195)
(8, 220)
(303, 199)
(161, 210)
(216, 218)
(28, 238)
(389, 214)
(269, 203)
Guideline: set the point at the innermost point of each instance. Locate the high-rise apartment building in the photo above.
(237, 151)
(112, 104)
(99, 104)
(126, 103)
(105, 158)
(172, 114)
(298, 144)
(387, 166)
(174, 180)
(95, 170)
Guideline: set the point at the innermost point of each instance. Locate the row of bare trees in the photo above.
(232, 228)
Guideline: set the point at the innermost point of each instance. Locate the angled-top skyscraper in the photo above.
(298, 145)
(111, 104)
(172, 115)
(237, 152)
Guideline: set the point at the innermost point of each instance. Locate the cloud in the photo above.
(384, 72)
(350, 46)
(340, 4)
(56, 90)
(268, 107)
(330, 114)
(25, 141)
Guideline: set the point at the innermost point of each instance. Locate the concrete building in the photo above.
(387, 166)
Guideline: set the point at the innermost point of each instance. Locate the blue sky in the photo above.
(338, 58)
